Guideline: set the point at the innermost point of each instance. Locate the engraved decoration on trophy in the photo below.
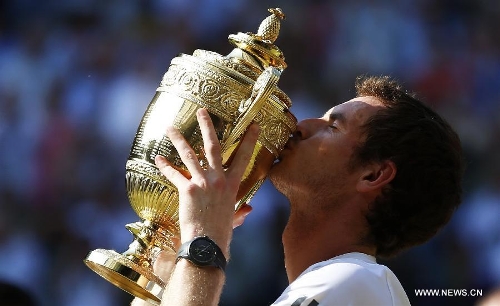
(236, 89)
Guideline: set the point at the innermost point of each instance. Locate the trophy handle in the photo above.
(262, 89)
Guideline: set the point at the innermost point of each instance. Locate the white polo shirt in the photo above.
(349, 279)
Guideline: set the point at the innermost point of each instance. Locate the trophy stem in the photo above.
(132, 271)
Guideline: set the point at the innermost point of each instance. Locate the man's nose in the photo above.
(305, 128)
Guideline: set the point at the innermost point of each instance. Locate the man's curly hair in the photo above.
(427, 153)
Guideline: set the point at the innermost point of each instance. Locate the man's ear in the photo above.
(376, 175)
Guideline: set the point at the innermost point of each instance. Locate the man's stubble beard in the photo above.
(275, 177)
(322, 192)
(314, 201)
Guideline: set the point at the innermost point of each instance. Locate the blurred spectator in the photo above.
(12, 295)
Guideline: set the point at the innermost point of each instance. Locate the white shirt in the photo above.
(348, 279)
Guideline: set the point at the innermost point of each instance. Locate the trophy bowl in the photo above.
(236, 89)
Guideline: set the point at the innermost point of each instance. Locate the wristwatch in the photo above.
(202, 252)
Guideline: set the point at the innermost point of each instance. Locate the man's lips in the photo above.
(286, 149)
(290, 143)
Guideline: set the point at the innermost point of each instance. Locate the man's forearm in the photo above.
(192, 285)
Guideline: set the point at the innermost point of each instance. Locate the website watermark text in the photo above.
(449, 292)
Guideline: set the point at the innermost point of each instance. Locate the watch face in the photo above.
(202, 251)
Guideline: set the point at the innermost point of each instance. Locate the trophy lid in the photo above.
(261, 45)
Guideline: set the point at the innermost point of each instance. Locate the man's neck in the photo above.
(311, 239)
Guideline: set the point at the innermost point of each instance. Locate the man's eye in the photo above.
(332, 126)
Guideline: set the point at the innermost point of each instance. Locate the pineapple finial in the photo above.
(270, 27)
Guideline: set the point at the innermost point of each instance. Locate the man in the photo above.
(372, 177)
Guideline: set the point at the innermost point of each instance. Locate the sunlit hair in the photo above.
(427, 152)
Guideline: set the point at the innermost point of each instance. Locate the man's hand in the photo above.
(206, 207)
(207, 198)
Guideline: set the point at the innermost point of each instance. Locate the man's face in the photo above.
(316, 159)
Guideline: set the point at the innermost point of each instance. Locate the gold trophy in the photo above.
(236, 89)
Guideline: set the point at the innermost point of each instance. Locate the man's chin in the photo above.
(278, 178)
(276, 165)
(276, 171)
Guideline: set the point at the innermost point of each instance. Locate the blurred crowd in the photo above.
(77, 75)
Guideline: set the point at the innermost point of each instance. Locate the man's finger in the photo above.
(241, 214)
(210, 141)
(244, 153)
(186, 153)
(172, 174)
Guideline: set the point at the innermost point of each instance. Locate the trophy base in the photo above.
(127, 275)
